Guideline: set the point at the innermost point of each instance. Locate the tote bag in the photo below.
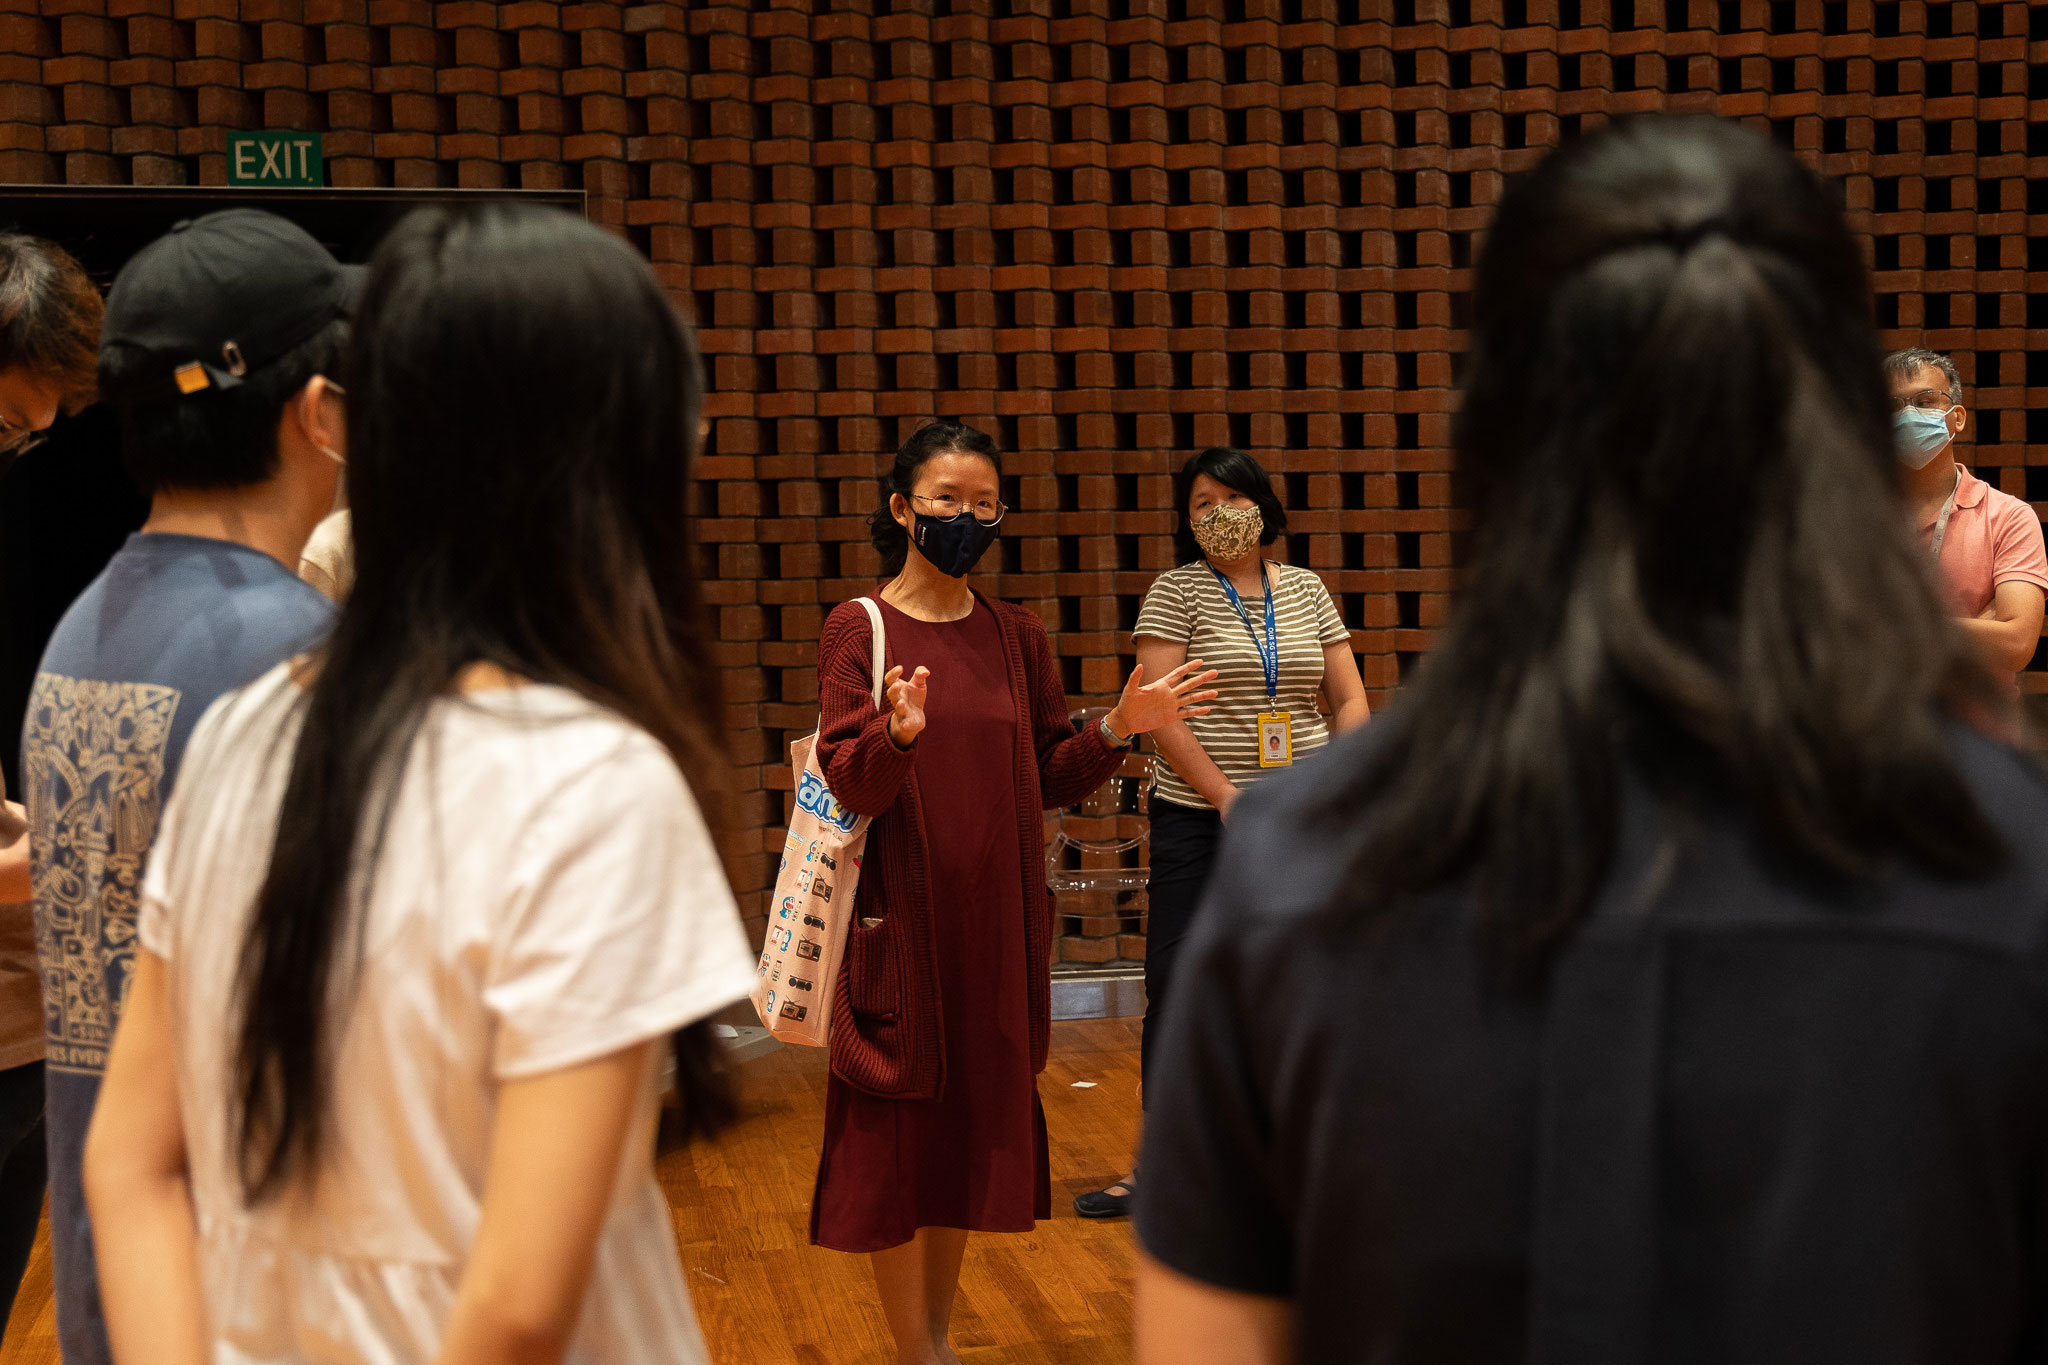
(812, 907)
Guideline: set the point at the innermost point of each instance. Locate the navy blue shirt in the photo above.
(1750, 1116)
(170, 624)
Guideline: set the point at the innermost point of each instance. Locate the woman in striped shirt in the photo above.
(1274, 637)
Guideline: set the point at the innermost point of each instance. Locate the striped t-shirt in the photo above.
(1188, 606)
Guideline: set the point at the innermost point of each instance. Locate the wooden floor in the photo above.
(1057, 1296)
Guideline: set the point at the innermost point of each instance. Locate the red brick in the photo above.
(528, 14)
(412, 46)
(351, 172)
(416, 173)
(543, 47)
(542, 175)
(467, 147)
(405, 147)
(534, 147)
(74, 69)
(92, 168)
(283, 42)
(22, 103)
(158, 170)
(1093, 951)
(479, 114)
(78, 139)
(26, 167)
(90, 35)
(138, 140)
(486, 48)
(26, 34)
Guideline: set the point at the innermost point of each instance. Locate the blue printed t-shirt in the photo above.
(170, 624)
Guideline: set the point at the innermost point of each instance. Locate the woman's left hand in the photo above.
(1148, 706)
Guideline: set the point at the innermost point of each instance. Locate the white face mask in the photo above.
(339, 392)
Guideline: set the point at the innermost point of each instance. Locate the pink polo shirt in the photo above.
(1993, 538)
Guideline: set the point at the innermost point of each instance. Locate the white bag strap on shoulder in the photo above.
(880, 642)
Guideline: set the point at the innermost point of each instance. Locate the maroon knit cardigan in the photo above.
(886, 1032)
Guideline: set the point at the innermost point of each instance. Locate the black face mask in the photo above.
(954, 545)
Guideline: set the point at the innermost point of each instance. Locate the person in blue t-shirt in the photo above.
(214, 352)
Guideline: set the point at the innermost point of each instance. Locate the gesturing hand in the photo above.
(905, 699)
(1147, 706)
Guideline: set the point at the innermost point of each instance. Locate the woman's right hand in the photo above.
(905, 699)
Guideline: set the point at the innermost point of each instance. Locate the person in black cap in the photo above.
(214, 353)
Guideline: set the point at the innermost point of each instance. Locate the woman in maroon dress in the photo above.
(942, 1015)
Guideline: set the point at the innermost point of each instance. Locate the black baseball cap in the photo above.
(217, 299)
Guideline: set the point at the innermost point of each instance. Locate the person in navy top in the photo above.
(1663, 979)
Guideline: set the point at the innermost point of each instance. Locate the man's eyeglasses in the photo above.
(987, 513)
(1927, 400)
(16, 440)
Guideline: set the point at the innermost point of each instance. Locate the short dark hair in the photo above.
(1237, 471)
(218, 438)
(49, 316)
(933, 438)
(1903, 364)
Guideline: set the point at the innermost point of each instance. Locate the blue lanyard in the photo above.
(1269, 648)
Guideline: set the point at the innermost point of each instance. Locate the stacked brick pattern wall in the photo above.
(1110, 231)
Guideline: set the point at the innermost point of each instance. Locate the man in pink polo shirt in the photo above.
(1992, 569)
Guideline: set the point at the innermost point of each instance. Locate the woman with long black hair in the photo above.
(428, 905)
(1662, 978)
(933, 1127)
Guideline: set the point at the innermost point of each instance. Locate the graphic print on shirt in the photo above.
(92, 778)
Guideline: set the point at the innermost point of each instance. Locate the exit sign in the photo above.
(275, 159)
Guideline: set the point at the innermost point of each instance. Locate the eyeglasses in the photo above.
(1927, 400)
(987, 513)
(16, 440)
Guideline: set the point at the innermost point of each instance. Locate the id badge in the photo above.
(1276, 740)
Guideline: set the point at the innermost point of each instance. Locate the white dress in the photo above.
(547, 895)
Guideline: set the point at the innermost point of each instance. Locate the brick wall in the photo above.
(1110, 231)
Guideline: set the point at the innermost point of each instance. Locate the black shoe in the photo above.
(1105, 1203)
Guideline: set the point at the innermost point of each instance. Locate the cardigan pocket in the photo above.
(874, 978)
(872, 1045)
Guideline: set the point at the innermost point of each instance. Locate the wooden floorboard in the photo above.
(1060, 1295)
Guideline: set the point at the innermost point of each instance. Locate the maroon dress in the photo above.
(975, 1157)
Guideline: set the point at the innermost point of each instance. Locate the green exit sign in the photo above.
(275, 159)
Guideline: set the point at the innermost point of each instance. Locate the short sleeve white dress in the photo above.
(547, 894)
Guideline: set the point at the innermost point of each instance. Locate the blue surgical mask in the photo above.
(1919, 435)
(953, 545)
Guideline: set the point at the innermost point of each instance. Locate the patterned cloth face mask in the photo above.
(1228, 533)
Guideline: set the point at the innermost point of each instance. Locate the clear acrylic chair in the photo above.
(1102, 827)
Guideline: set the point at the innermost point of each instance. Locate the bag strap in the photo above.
(880, 637)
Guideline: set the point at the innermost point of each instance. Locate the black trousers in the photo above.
(1183, 850)
(24, 1170)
